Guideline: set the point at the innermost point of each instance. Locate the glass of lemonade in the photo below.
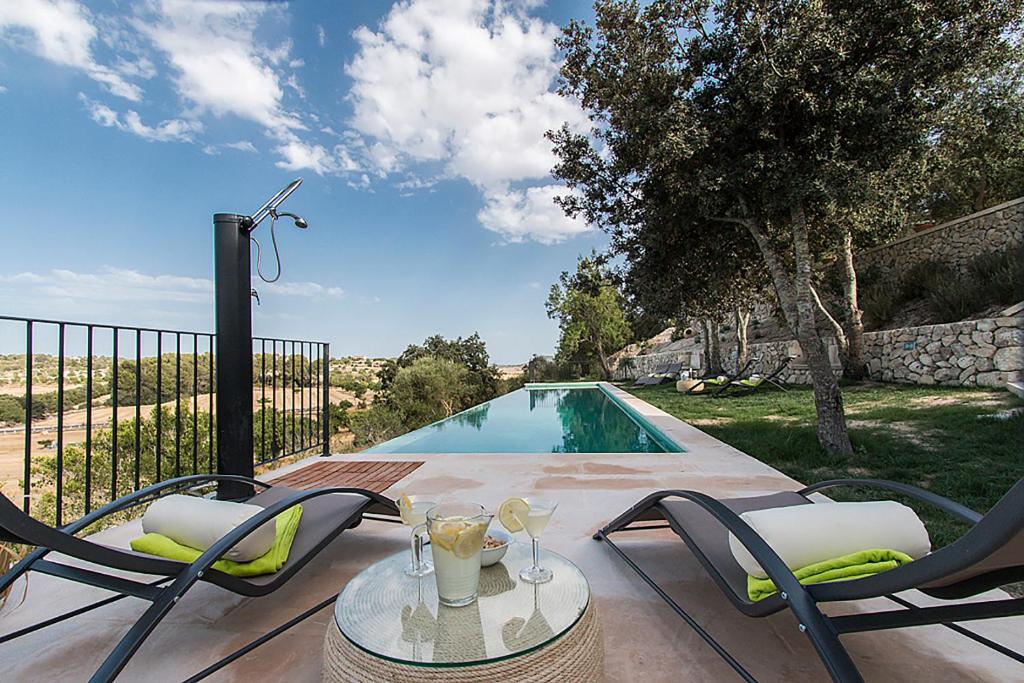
(457, 533)
(413, 510)
(533, 515)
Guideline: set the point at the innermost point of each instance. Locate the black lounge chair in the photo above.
(325, 514)
(989, 555)
(652, 378)
(748, 385)
(711, 380)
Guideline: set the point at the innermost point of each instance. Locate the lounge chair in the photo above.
(671, 372)
(715, 380)
(325, 515)
(989, 555)
(751, 384)
(652, 378)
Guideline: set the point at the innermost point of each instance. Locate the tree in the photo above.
(430, 389)
(756, 120)
(470, 353)
(589, 310)
(976, 159)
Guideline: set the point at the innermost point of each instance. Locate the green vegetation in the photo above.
(272, 435)
(590, 312)
(932, 437)
(783, 131)
(995, 279)
(426, 383)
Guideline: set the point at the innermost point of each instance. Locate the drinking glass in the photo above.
(457, 533)
(534, 519)
(413, 510)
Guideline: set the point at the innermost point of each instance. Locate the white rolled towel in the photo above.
(201, 522)
(802, 535)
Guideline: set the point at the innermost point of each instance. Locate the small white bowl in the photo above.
(491, 556)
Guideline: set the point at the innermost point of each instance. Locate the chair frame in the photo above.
(696, 389)
(803, 601)
(178, 576)
(736, 388)
(647, 380)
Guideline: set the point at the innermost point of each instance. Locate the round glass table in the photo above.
(390, 626)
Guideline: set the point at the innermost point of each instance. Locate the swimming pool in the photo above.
(583, 419)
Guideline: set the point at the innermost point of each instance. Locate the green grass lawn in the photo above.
(931, 437)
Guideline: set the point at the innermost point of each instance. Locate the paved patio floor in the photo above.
(644, 640)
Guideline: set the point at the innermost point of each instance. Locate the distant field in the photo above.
(12, 445)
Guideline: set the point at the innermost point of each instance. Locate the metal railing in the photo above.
(138, 410)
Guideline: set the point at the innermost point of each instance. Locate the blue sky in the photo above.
(417, 127)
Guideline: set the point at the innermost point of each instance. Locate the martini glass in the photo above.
(413, 511)
(535, 519)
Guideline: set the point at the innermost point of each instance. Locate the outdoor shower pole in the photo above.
(234, 352)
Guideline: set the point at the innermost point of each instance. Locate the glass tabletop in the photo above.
(393, 616)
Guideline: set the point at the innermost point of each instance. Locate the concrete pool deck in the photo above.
(644, 639)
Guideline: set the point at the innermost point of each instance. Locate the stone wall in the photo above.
(986, 353)
(955, 243)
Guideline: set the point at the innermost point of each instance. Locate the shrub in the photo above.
(377, 424)
(11, 410)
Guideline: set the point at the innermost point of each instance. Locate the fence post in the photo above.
(233, 291)
(325, 417)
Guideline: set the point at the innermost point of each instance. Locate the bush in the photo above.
(377, 424)
(989, 280)
(11, 410)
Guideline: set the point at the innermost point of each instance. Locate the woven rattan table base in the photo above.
(577, 656)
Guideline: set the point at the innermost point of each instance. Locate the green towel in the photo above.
(752, 382)
(854, 566)
(286, 523)
(716, 380)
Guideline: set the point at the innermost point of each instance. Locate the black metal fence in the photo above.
(129, 406)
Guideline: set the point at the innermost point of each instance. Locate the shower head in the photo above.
(300, 222)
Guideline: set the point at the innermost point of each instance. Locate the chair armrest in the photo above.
(945, 504)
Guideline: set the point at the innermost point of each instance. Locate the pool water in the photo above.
(581, 420)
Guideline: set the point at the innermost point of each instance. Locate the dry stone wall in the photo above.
(987, 353)
(955, 243)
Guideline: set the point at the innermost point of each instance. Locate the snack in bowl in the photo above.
(495, 546)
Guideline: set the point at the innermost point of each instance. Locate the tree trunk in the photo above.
(742, 321)
(828, 399)
(797, 300)
(706, 333)
(853, 358)
(715, 328)
(606, 368)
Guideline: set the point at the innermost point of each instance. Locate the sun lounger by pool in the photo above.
(326, 513)
(989, 555)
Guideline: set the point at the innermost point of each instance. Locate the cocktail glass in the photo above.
(534, 519)
(457, 533)
(413, 510)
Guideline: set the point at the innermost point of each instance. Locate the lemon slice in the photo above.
(510, 512)
(469, 541)
(445, 534)
(404, 508)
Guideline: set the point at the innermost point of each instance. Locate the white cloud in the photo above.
(529, 214)
(62, 31)
(171, 130)
(303, 289)
(321, 35)
(218, 67)
(297, 155)
(3, 89)
(110, 284)
(242, 146)
(465, 87)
